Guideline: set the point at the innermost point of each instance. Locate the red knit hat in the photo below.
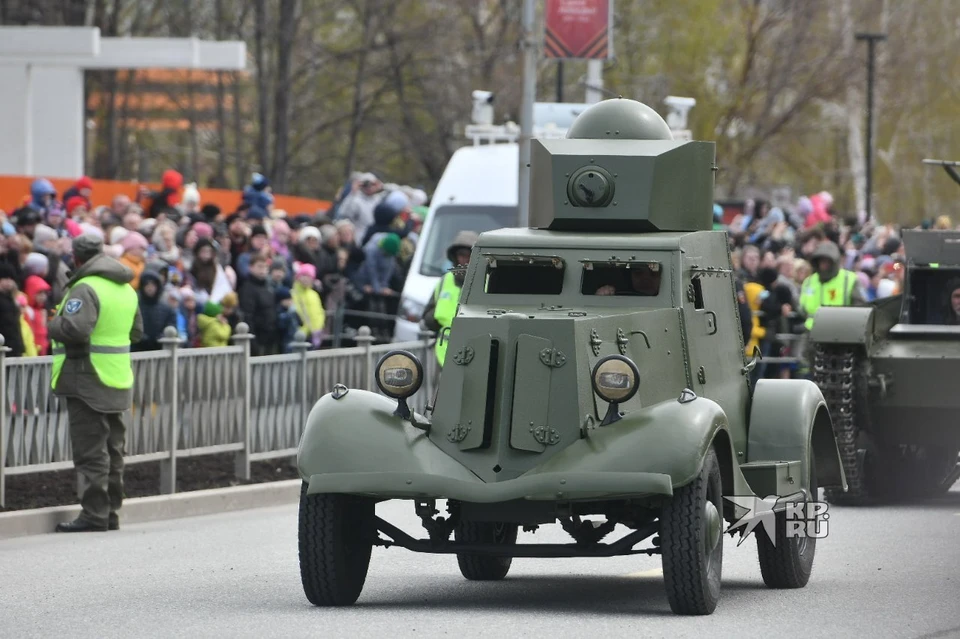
(84, 183)
(74, 202)
(172, 180)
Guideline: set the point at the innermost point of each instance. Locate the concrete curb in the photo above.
(41, 521)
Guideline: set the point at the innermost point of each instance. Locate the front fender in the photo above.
(358, 433)
(789, 419)
(668, 438)
(843, 325)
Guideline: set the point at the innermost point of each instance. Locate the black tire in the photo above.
(485, 567)
(691, 571)
(336, 536)
(789, 562)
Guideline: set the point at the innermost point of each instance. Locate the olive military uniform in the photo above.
(91, 336)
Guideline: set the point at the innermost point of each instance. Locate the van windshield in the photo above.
(450, 220)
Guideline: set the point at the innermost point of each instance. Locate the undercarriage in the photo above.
(587, 536)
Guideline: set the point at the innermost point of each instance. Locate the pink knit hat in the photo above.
(307, 269)
(133, 241)
(203, 230)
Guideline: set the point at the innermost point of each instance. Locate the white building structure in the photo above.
(41, 72)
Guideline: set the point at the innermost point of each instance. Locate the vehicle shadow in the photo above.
(575, 595)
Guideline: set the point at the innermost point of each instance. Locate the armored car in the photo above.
(595, 378)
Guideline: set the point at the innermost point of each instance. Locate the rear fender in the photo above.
(789, 421)
(668, 438)
(843, 325)
(359, 433)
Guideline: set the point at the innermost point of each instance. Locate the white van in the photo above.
(477, 192)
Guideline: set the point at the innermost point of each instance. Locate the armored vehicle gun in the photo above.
(595, 368)
(888, 371)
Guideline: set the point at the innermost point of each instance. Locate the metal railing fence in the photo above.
(197, 401)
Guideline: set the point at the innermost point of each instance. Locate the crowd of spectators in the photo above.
(203, 270)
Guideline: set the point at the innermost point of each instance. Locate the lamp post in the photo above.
(871, 39)
(529, 95)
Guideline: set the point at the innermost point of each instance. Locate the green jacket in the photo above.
(78, 377)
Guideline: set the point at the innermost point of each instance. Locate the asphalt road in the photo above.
(883, 572)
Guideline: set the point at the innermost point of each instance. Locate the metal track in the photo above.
(835, 372)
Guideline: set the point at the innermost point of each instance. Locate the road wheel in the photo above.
(691, 541)
(485, 567)
(788, 562)
(335, 537)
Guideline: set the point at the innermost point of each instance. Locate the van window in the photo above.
(524, 276)
(621, 278)
(450, 220)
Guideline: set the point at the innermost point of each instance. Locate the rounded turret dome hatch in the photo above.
(619, 119)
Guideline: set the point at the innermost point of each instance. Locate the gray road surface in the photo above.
(890, 572)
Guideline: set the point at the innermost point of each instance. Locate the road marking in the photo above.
(656, 572)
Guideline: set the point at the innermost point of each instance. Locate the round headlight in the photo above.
(616, 379)
(399, 374)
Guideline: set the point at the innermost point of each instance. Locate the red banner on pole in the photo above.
(578, 29)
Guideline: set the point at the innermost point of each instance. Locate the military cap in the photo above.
(87, 246)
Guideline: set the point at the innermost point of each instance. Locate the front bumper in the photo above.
(536, 487)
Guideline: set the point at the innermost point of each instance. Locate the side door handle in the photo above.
(711, 322)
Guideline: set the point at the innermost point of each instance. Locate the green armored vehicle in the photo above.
(888, 371)
(595, 368)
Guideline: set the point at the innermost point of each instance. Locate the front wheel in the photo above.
(787, 561)
(691, 542)
(336, 535)
(485, 567)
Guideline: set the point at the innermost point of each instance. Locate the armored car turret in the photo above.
(595, 369)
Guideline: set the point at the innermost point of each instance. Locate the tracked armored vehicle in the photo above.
(595, 377)
(888, 371)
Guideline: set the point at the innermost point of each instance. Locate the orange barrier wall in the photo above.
(14, 188)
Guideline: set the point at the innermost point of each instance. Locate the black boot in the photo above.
(80, 525)
(114, 522)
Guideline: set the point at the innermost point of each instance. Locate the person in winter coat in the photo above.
(387, 217)
(42, 195)
(258, 241)
(134, 255)
(10, 312)
(207, 277)
(358, 207)
(280, 239)
(187, 326)
(37, 291)
(167, 197)
(83, 188)
(306, 300)
(288, 322)
(157, 313)
(213, 326)
(379, 265)
(307, 248)
(260, 308)
(26, 332)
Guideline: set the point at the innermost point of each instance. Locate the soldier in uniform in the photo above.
(91, 336)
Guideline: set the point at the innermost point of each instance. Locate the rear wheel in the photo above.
(788, 562)
(335, 537)
(691, 542)
(485, 567)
